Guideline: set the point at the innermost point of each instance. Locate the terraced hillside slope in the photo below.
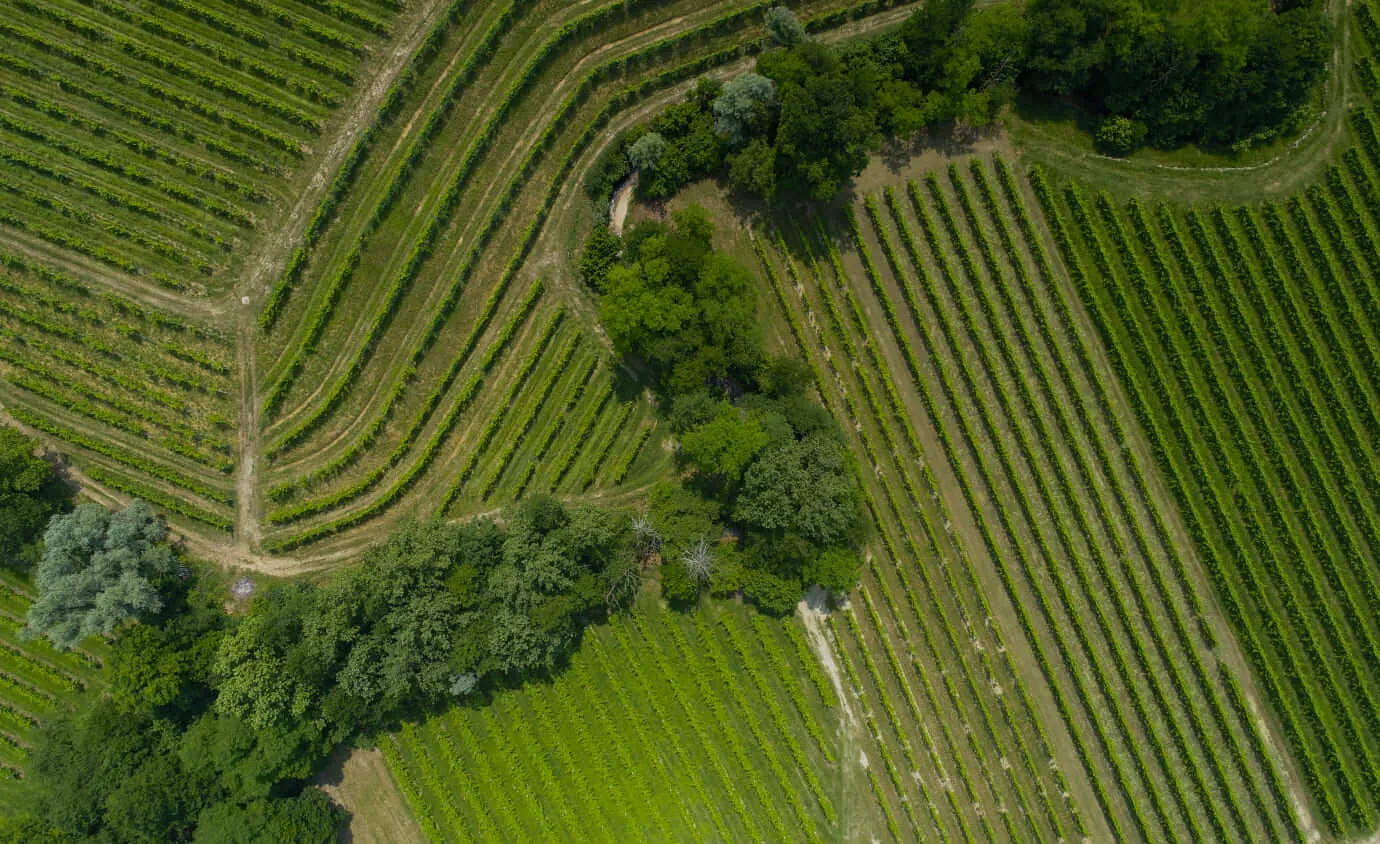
(413, 352)
(293, 269)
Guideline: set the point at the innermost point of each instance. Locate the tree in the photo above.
(275, 666)
(599, 255)
(1120, 135)
(79, 758)
(682, 308)
(99, 569)
(722, 448)
(804, 486)
(698, 560)
(836, 569)
(774, 594)
(753, 170)
(828, 120)
(308, 818)
(156, 803)
(166, 667)
(647, 152)
(928, 35)
(677, 586)
(29, 494)
(784, 27)
(745, 107)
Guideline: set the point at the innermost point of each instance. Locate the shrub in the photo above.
(1120, 135)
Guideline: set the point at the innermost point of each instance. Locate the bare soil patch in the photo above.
(358, 779)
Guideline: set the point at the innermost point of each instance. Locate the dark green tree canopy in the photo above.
(215, 722)
(1215, 72)
(30, 494)
(803, 486)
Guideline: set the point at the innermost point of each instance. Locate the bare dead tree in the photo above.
(646, 540)
(625, 581)
(698, 560)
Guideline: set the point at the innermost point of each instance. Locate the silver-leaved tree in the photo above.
(98, 570)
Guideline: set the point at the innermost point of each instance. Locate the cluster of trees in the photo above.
(1215, 72)
(669, 300)
(214, 723)
(769, 501)
(1218, 72)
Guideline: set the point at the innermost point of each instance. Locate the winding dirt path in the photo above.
(274, 251)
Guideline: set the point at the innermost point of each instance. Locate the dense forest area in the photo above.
(1226, 74)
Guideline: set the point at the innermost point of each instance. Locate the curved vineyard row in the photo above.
(381, 358)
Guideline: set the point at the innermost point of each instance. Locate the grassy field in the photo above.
(35, 682)
(718, 725)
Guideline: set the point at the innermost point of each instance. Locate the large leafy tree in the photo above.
(675, 304)
(556, 570)
(309, 818)
(828, 122)
(99, 569)
(745, 107)
(1220, 72)
(803, 486)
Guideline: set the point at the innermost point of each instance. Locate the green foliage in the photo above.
(805, 486)
(836, 569)
(723, 447)
(166, 666)
(29, 494)
(753, 170)
(1225, 72)
(685, 310)
(647, 152)
(309, 818)
(1120, 135)
(599, 255)
(745, 106)
(827, 125)
(677, 586)
(551, 575)
(784, 27)
(99, 569)
(214, 721)
(773, 594)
